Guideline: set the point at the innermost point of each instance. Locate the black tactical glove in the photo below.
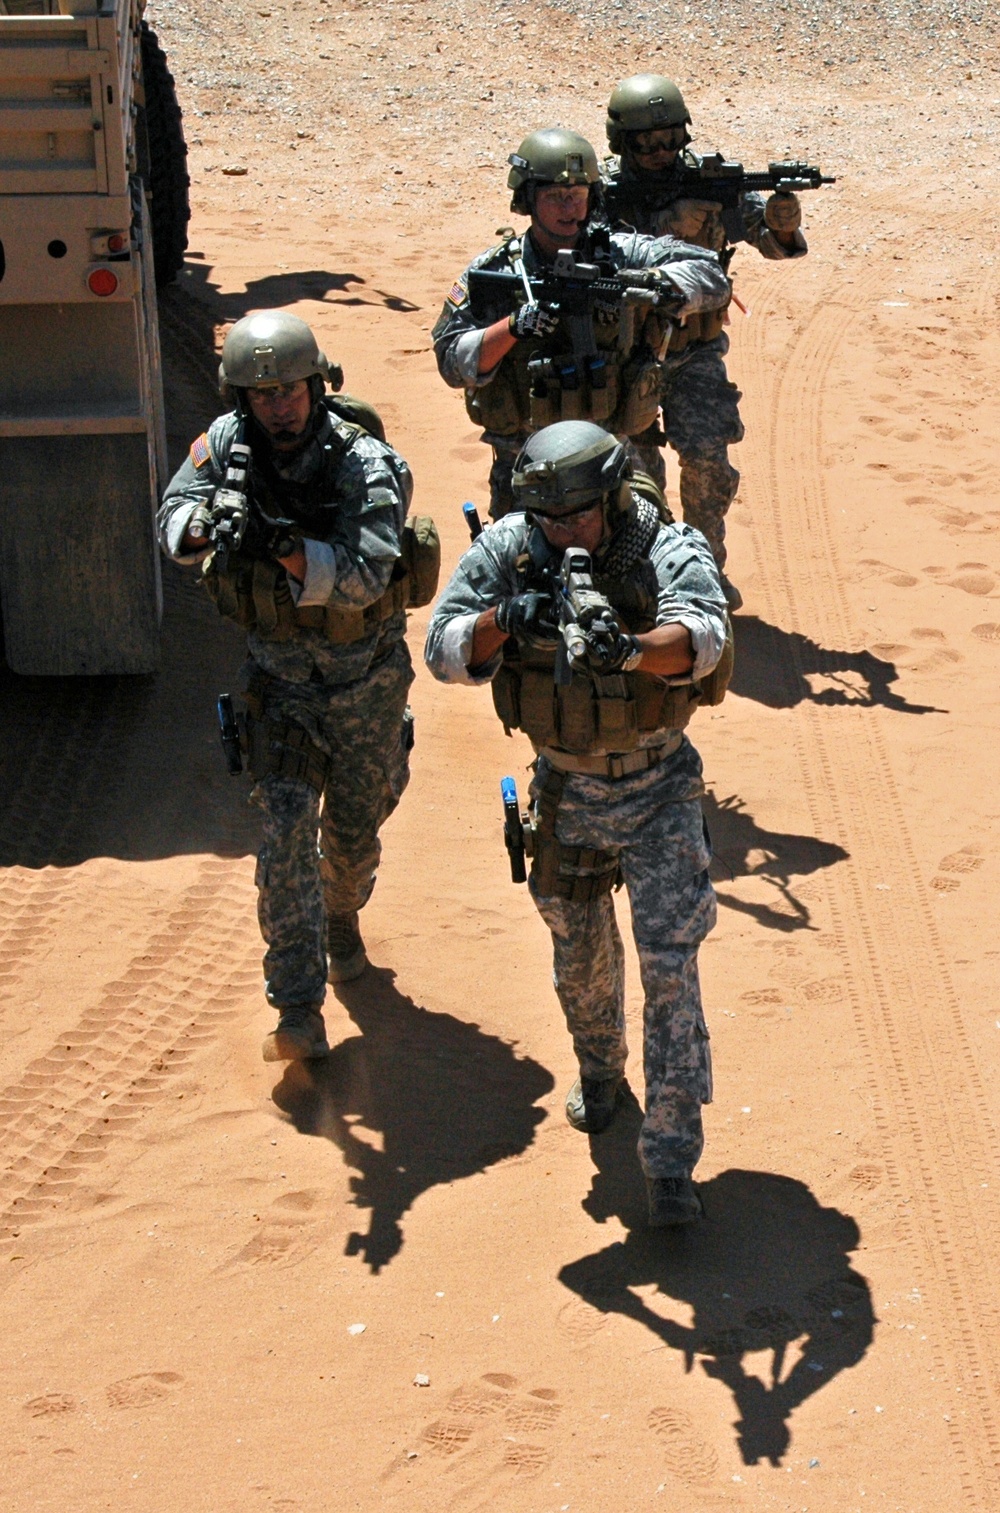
(533, 320)
(530, 616)
(610, 649)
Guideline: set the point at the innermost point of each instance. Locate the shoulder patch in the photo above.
(459, 292)
(200, 451)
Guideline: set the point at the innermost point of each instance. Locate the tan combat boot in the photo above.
(345, 950)
(300, 1035)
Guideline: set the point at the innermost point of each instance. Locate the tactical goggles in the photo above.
(665, 139)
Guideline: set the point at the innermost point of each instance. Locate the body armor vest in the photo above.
(593, 713)
(255, 591)
(621, 391)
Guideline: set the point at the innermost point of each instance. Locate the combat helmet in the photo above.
(569, 466)
(273, 347)
(643, 103)
(551, 156)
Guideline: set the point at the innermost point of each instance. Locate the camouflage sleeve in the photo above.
(690, 592)
(695, 271)
(458, 340)
(194, 485)
(484, 575)
(746, 223)
(353, 564)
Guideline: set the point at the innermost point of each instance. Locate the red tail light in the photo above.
(102, 281)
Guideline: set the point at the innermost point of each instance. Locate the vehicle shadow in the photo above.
(447, 1100)
(773, 666)
(126, 767)
(742, 848)
(767, 1269)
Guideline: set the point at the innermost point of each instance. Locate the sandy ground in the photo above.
(190, 1244)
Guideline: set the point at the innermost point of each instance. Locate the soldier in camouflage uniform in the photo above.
(556, 181)
(647, 127)
(617, 784)
(328, 670)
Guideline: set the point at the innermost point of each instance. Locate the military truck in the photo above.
(93, 215)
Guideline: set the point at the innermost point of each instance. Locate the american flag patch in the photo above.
(200, 452)
(458, 294)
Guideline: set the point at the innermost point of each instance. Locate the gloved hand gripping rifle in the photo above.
(575, 290)
(230, 511)
(237, 519)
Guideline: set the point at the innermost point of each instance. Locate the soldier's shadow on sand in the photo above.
(742, 848)
(782, 668)
(767, 1270)
(446, 1098)
(276, 290)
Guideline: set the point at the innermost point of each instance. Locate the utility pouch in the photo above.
(714, 685)
(421, 558)
(642, 380)
(276, 748)
(496, 406)
(505, 689)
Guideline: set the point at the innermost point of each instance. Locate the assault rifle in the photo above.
(585, 616)
(230, 509)
(716, 178)
(236, 517)
(574, 289)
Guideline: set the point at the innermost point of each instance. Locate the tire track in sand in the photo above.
(930, 1105)
(67, 746)
(60, 1117)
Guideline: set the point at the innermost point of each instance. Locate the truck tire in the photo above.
(164, 170)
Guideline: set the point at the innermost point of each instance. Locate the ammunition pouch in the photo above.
(590, 713)
(578, 874)
(539, 383)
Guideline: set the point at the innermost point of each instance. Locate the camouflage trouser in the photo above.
(368, 731)
(660, 842)
(701, 420)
